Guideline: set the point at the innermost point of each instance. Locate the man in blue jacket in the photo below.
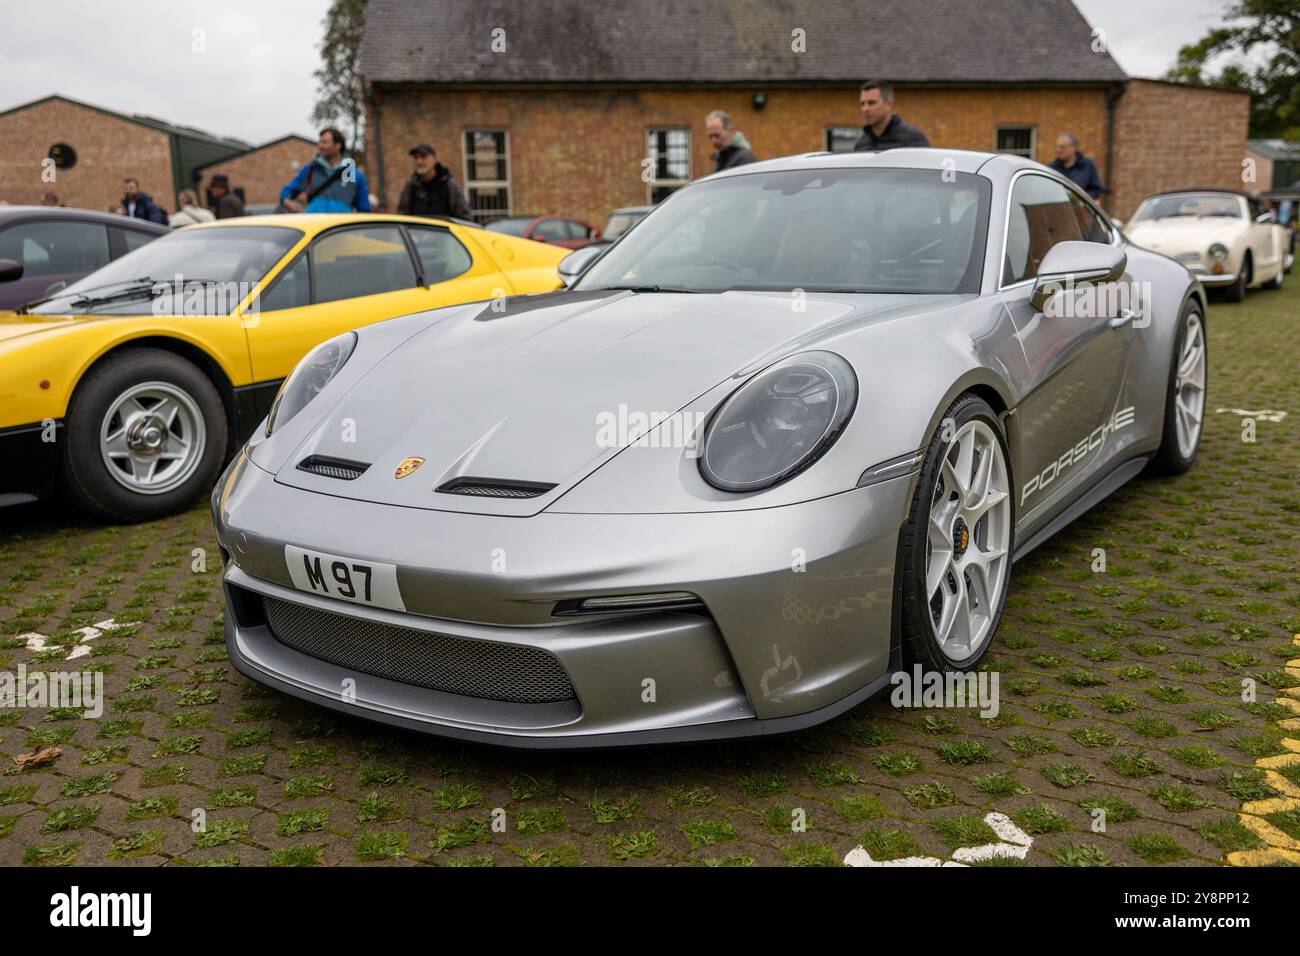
(140, 205)
(331, 182)
(1077, 167)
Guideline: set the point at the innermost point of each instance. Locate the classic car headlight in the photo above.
(311, 375)
(779, 422)
(1218, 252)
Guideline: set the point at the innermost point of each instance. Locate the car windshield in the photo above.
(511, 227)
(818, 230)
(191, 271)
(1189, 204)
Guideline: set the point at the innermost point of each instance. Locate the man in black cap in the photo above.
(431, 191)
(224, 203)
(884, 128)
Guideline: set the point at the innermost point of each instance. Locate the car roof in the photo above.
(312, 223)
(958, 160)
(1203, 189)
(16, 213)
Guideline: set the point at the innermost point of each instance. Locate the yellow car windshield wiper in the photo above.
(64, 293)
(152, 288)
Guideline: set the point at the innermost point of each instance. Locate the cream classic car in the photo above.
(1225, 238)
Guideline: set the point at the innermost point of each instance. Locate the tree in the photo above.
(1258, 50)
(340, 97)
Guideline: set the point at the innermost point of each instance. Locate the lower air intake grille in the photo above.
(454, 665)
(339, 468)
(495, 488)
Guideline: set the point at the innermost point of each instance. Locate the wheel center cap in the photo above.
(960, 538)
(146, 434)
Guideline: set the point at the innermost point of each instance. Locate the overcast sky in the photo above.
(254, 81)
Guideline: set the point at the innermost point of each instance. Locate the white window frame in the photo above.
(471, 184)
(673, 183)
(1033, 139)
(826, 135)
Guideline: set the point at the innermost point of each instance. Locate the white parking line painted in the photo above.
(1015, 843)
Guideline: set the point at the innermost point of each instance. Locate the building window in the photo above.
(1017, 140)
(841, 139)
(669, 155)
(487, 173)
(64, 156)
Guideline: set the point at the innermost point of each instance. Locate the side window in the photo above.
(291, 288)
(442, 257)
(577, 230)
(552, 230)
(134, 239)
(1090, 224)
(56, 248)
(358, 262)
(1041, 216)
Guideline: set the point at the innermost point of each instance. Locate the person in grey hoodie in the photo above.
(730, 143)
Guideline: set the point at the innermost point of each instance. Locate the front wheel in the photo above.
(1184, 396)
(146, 435)
(958, 540)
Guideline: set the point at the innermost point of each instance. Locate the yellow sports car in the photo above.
(130, 388)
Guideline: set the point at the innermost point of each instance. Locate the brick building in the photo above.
(263, 170)
(89, 150)
(557, 106)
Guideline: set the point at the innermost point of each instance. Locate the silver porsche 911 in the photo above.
(788, 433)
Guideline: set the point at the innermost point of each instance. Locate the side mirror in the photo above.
(1073, 263)
(10, 270)
(577, 262)
(1264, 217)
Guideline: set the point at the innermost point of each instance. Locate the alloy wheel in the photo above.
(967, 542)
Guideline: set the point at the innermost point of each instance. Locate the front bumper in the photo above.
(30, 456)
(1208, 278)
(797, 622)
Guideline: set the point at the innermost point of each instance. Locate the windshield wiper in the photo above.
(153, 288)
(653, 287)
(64, 293)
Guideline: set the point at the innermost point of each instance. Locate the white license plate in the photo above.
(347, 579)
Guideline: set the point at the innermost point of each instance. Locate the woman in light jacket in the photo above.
(190, 211)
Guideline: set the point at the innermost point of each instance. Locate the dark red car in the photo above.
(557, 230)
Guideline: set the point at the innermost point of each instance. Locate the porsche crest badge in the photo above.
(407, 466)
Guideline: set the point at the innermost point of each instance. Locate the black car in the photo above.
(44, 248)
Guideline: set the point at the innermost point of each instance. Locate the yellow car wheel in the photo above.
(146, 435)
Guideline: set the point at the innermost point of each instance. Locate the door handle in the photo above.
(1124, 318)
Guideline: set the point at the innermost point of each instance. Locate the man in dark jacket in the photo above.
(140, 205)
(732, 149)
(224, 203)
(431, 190)
(884, 128)
(1077, 167)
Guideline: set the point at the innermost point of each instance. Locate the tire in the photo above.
(1237, 291)
(1174, 457)
(130, 455)
(925, 608)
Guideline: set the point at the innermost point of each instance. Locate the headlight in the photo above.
(779, 422)
(312, 374)
(1218, 252)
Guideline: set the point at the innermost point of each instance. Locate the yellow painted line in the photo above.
(1282, 848)
(1263, 857)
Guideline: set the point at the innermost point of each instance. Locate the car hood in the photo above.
(1183, 234)
(522, 395)
(14, 326)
